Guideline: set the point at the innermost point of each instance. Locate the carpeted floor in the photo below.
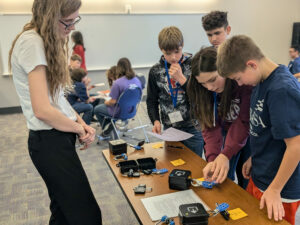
(23, 194)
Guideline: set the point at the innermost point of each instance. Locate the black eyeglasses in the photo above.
(67, 26)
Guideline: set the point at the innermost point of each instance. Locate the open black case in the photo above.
(135, 165)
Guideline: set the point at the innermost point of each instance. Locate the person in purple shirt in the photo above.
(126, 79)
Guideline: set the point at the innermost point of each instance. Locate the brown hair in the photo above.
(45, 20)
(78, 39)
(234, 53)
(78, 74)
(111, 75)
(170, 38)
(124, 69)
(214, 20)
(203, 107)
(76, 57)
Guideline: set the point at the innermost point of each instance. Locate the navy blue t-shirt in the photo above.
(294, 66)
(78, 94)
(274, 116)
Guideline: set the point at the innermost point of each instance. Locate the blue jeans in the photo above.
(236, 163)
(194, 143)
(86, 109)
(245, 153)
(101, 112)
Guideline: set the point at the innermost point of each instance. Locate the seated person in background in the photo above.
(294, 65)
(142, 78)
(75, 62)
(79, 98)
(126, 79)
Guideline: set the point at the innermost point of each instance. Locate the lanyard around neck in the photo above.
(174, 97)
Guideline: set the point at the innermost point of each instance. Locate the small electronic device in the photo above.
(117, 147)
(146, 163)
(126, 166)
(193, 214)
(180, 179)
(140, 189)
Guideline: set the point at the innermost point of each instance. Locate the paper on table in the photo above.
(103, 96)
(99, 85)
(168, 204)
(172, 134)
(106, 92)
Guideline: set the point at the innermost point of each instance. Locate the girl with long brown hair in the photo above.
(38, 59)
(222, 109)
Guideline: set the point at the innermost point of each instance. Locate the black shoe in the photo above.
(94, 120)
(107, 129)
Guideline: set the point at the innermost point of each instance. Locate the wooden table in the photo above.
(228, 191)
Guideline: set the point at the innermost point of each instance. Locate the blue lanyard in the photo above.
(215, 108)
(174, 98)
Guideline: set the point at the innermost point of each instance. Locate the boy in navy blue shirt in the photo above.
(274, 125)
(79, 98)
(294, 65)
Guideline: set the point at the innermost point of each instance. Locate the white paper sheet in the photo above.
(168, 204)
(172, 134)
(99, 85)
(103, 96)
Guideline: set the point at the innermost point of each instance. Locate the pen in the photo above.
(172, 146)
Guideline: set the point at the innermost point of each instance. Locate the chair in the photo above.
(126, 109)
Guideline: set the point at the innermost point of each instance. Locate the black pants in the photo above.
(54, 156)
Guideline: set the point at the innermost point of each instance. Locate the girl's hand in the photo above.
(89, 136)
(217, 170)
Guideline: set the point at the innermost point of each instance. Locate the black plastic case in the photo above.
(146, 163)
(193, 214)
(117, 147)
(179, 179)
(125, 166)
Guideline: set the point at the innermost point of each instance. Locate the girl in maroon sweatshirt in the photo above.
(222, 109)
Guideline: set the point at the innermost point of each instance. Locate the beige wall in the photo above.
(268, 22)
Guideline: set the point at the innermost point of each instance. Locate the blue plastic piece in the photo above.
(159, 171)
(124, 156)
(208, 184)
(164, 218)
(222, 207)
(137, 147)
(172, 223)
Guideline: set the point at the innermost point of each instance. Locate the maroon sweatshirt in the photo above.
(236, 125)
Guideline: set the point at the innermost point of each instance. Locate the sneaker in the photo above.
(107, 129)
(122, 125)
(94, 119)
